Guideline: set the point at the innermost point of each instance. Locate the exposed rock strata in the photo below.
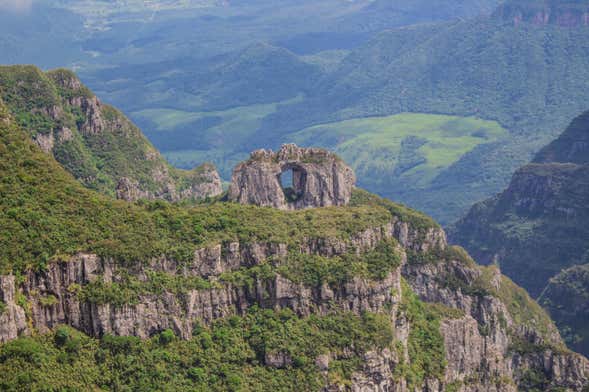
(320, 179)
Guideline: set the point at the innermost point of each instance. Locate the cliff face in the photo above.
(537, 226)
(487, 346)
(95, 142)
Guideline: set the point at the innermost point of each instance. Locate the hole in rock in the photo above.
(292, 182)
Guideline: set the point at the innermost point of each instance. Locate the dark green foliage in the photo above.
(167, 336)
(62, 335)
(228, 356)
(313, 270)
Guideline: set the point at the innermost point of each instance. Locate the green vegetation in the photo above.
(566, 298)
(314, 270)
(412, 148)
(228, 356)
(311, 270)
(534, 242)
(417, 220)
(427, 355)
(129, 288)
(38, 197)
(97, 145)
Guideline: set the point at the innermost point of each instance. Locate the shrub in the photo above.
(197, 374)
(167, 336)
(62, 335)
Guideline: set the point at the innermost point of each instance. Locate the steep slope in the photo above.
(529, 77)
(228, 296)
(538, 225)
(566, 297)
(95, 142)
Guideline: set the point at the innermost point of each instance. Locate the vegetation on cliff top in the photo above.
(46, 214)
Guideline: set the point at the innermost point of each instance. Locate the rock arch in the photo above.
(320, 179)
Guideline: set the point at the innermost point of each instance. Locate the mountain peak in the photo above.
(572, 146)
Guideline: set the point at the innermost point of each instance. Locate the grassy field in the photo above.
(413, 146)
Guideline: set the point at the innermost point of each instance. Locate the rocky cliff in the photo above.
(95, 142)
(563, 13)
(224, 296)
(537, 226)
(319, 179)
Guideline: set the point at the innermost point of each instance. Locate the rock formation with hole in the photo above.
(319, 179)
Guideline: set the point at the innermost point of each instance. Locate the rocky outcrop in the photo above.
(13, 321)
(53, 295)
(319, 179)
(203, 182)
